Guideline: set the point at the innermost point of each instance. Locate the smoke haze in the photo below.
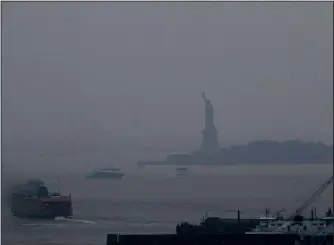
(86, 81)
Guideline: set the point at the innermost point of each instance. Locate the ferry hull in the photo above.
(44, 208)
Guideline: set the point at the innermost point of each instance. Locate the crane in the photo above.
(317, 193)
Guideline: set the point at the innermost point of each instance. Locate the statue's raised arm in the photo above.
(204, 97)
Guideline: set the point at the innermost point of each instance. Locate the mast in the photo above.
(58, 184)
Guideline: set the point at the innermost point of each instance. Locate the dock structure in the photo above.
(214, 231)
(218, 239)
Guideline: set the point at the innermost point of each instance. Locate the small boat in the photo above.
(106, 173)
(181, 171)
(33, 200)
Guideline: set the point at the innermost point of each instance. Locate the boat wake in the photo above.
(60, 222)
(74, 220)
(35, 224)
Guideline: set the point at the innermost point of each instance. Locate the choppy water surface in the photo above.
(154, 200)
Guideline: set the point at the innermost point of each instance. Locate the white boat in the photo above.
(106, 173)
(181, 171)
(271, 225)
(266, 223)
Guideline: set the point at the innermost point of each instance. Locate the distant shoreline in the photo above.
(256, 152)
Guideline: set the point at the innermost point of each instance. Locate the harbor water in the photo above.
(154, 199)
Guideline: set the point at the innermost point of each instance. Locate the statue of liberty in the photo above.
(210, 139)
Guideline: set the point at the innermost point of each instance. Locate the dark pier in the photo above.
(214, 231)
(214, 225)
(218, 239)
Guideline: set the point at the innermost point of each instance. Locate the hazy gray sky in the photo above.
(96, 71)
